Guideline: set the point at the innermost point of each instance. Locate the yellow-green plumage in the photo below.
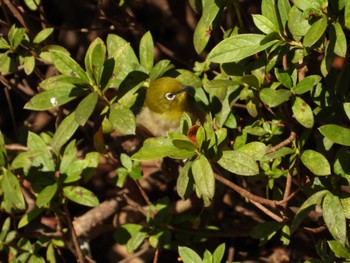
(166, 101)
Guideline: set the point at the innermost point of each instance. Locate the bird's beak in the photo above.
(188, 89)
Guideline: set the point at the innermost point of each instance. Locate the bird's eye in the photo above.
(170, 96)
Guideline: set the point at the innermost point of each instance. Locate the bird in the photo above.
(166, 101)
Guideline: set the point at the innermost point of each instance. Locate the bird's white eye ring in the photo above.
(170, 96)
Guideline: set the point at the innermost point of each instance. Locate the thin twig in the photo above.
(156, 254)
(143, 193)
(16, 147)
(287, 141)
(267, 211)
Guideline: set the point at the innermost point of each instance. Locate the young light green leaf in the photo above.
(303, 113)
(46, 195)
(11, 188)
(64, 132)
(336, 133)
(269, 10)
(16, 36)
(204, 27)
(306, 4)
(334, 217)
(122, 119)
(346, 106)
(181, 141)
(264, 24)
(146, 51)
(238, 47)
(203, 177)
(85, 108)
(53, 98)
(69, 156)
(273, 98)
(316, 162)
(188, 255)
(94, 60)
(347, 15)
(32, 4)
(42, 35)
(184, 183)
(315, 32)
(219, 253)
(67, 65)
(80, 195)
(338, 249)
(256, 150)
(239, 163)
(283, 7)
(298, 25)
(160, 68)
(29, 64)
(28, 217)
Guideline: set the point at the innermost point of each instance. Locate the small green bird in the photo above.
(166, 101)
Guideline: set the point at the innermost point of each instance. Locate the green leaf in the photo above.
(283, 7)
(316, 162)
(62, 82)
(4, 44)
(346, 106)
(307, 4)
(3, 152)
(219, 253)
(307, 84)
(53, 98)
(338, 249)
(64, 132)
(188, 255)
(184, 185)
(273, 98)
(136, 240)
(157, 148)
(315, 32)
(341, 164)
(303, 113)
(315, 199)
(94, 60)
(29, 64)
(256, 150)
(11, 188)
(160, 68)
(204, 26)
(239, 163)
(28, 217)
(238, 47)
(37, 144)
(284, 76)
(298, 25)
(67, 66)
(146, 51)
(16, 36)
(122, 119)
(203, 177)
(181, 141)
(340, 47)
(347, 15)
(86, 108)
(42, 35)
(334, 217)
(33, 4)
(46, 195)
(80, 195)
(336, 133)
(268, 9)
(264, 24)
(265, 231)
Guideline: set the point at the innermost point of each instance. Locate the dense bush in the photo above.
(266, 176)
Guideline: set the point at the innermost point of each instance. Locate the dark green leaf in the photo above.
(303, 113)
(64, 132)
(238, 47)
(316, 163)
(188, 255)
(53, 98)
(46, 195)
(94, 60)
(122, 119)
(239, 163)
(3, 153)
(334, 217)
(265, 231)
(315, 32)
(273, 98)
(315, 199)
(67, 66)
(86, 108)
(42, 35)
(146, 51)
(341, 163)
(203, 177)
(37, 144)
(11, 188)
(336, 133)
(340, 47)
(80, 195)
(157, 148)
